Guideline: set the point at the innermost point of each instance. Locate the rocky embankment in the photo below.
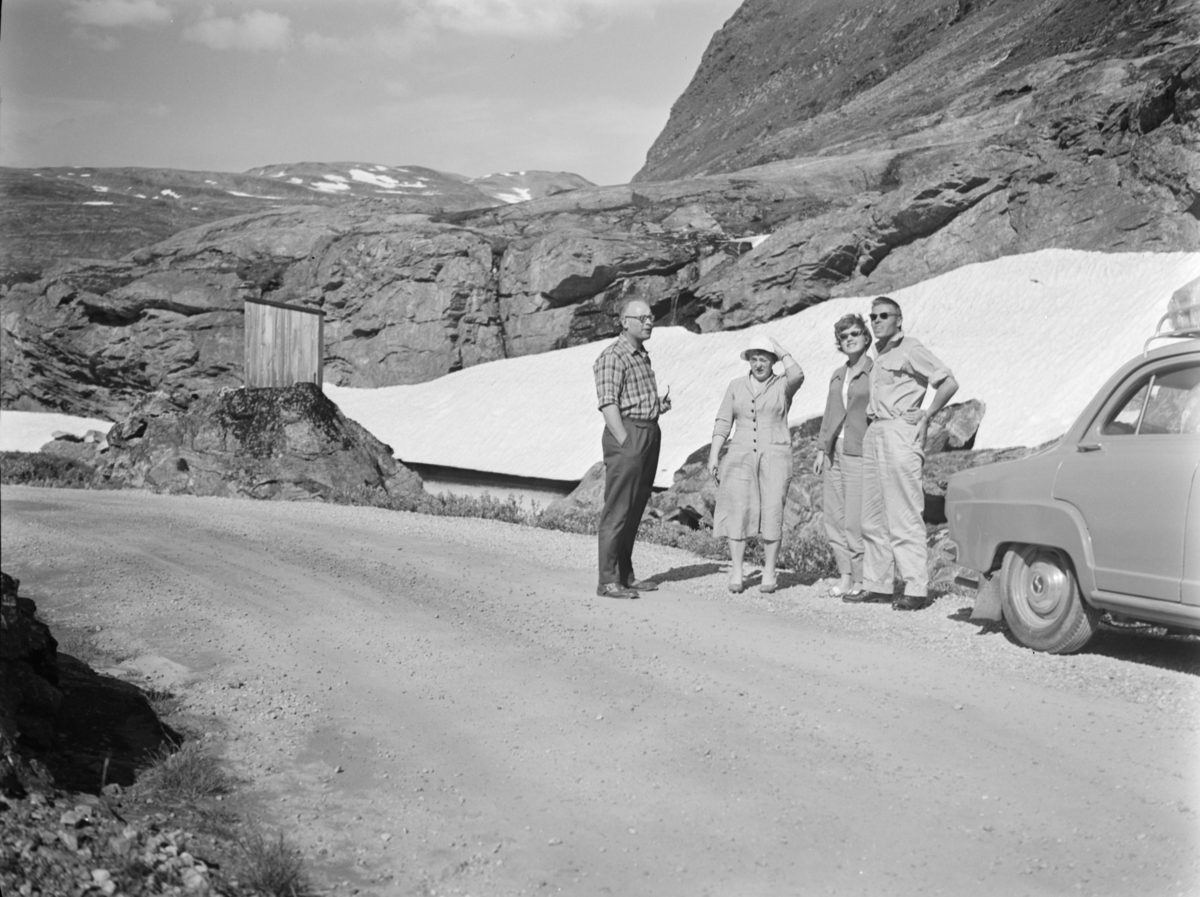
(887, 145)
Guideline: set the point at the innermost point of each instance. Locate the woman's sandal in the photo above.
(768, 585)
(836, 592)
(737, 587)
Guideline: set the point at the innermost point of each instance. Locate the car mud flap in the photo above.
(987, 600)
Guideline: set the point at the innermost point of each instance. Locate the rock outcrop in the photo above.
(824, 149)
(289, 443)
(61, 722)
(29, 694)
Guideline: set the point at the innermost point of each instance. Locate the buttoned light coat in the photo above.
(757, 468)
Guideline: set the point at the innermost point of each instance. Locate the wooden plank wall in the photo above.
(285, 344)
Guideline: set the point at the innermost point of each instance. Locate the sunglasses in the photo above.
(851, 334)
(882, 316)
(641, 319)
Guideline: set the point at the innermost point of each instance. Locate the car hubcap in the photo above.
(1045, 588)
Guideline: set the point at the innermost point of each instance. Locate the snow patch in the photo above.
(99, 189)
(171, 193)
(518, 194)
(998, 325)
(378, 180)
(98, 202)
(140, 195)
(295, 180)
(85, 175)
(337, 178)
(327, 187)
(214, 183)
(28, 431)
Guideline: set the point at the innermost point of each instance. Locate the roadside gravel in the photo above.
(440, 705)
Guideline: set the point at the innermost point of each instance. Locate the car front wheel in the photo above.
(1041, 600)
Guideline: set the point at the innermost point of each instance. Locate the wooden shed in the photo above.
(285, 344)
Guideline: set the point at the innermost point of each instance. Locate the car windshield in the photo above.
(1164, 402)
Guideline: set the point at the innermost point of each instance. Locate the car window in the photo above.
(1163, 402)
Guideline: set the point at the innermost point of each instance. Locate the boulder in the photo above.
(954, 427)
(73, 448)
(61, 722)
(286, 443)
(586, 498)
(29, 693)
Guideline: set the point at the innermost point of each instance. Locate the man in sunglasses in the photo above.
(893, 454)
(627, 394)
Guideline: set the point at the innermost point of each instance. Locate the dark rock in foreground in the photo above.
(290, 443)
(61, 722)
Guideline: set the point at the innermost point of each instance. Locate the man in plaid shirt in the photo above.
(628, 398)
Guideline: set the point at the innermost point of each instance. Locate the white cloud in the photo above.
(254, 30)
(117, 13)
(420, 20)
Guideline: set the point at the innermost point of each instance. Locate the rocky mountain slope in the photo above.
(908, 140)
(791, 78)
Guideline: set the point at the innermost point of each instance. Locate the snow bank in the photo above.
(28, 431)
(1033, 336)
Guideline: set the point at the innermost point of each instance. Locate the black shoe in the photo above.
(642, 585)
(909, 602)
(615, 590)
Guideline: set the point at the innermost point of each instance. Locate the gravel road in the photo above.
(442, 706)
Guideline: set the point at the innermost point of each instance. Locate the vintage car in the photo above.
(1105, 519)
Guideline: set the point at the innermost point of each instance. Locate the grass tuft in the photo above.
(273, 867)
(186, 773)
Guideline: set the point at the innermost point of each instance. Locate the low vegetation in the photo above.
(808, 556)
(42, 469)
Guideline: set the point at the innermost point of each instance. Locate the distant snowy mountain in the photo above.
(48, 215)
(363, 179)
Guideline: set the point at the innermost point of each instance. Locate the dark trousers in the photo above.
(628, 479)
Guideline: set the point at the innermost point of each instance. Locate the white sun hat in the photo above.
(760, 344)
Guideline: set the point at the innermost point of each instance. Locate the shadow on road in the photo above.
(1148, 645)
(691, 571)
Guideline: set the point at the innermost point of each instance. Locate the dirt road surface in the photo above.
(442, 706)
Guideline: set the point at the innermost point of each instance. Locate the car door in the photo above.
(1131, 478)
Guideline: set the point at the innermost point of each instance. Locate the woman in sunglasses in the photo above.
(753, 479)
(839, 458)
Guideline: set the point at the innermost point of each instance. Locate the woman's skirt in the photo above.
(752, 491)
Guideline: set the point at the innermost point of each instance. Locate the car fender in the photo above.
(1054, 524)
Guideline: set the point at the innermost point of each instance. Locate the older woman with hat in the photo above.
(839, 459)
(754, 476)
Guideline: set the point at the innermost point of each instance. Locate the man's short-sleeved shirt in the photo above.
(624, 378)
(899, 377)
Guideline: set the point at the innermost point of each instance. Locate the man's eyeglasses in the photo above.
(641, 319)
(882, 316)
(851, 334)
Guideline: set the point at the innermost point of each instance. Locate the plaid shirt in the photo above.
(624, 378)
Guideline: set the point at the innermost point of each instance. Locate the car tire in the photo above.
(1041, 602)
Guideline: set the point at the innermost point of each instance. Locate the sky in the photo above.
(465, 86)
